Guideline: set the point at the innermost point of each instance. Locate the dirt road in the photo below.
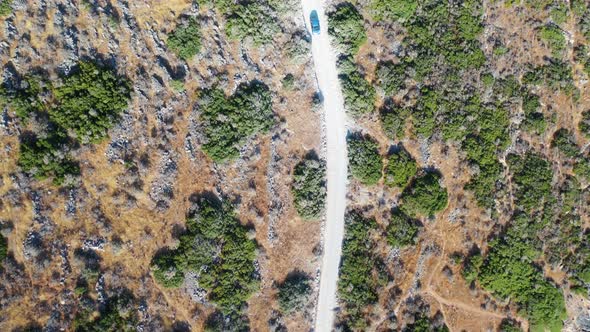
(337, 162)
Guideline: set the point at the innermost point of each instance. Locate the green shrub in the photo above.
(401, 167)
(288, 82)
(532, 177)
(254, 20)
(556, 74)
(471, 267)
(359, 94)
(393, 9)
(582, 56)
(165, 269)
(216, 247)
(90, 101)
(309, 188)
(553, 36)
(357, 288)
(5, 7)
(185, 40)
(364, 161)
(177, 85)
(584, 125)
(424, 196)
(534, 120)
(510, 325)
(117, 315)
(439, 28)
(294, 292)
(48, 157)
(565, 141)
(3, 248)
(582, 168)
(393, 120)
(508, 272)
(391, 77)
(402, 231)
(229, 121)
(346, 26)
(26, 101)
(559, 13)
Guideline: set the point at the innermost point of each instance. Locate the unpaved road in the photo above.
(337, 163)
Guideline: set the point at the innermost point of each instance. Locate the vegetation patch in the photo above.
(402, 231)
(5, 7)
(359, 94)
(532, 178)
(294, 292)
(118, 315)
(185, 40)
(79, 109)
(393, 9)
(424, 196)
(565, 142)
(357, 288)
(534, 120)
(555, 74)
(364, 161)
(584, 124)
(218, 249)
(256, 20)
(508, 272)
(553, 36)
(229, 121)
(394, 119)
(391, 77)
(346, 26)
(401, 167)
(309, 188)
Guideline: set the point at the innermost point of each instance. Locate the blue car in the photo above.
(315, 22)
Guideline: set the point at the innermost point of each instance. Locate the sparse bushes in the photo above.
(364, 160)
(346, 25)
(185, 40)
(229, 121)
(217, 248)
(424, 196)
(357, 288)
(401, 167)
(309, 188)
(294, 292)
(402, 230)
